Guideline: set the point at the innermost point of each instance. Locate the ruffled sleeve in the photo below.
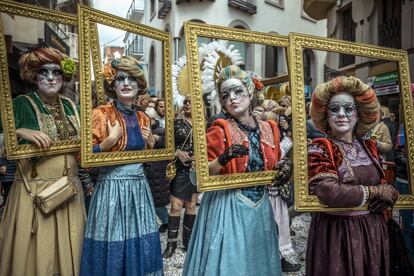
(99, 129)
(324, 181)
(215, 142)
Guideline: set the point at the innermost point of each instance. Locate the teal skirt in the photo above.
(121, 236)
(233, 236)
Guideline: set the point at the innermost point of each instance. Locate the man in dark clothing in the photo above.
(155, 173)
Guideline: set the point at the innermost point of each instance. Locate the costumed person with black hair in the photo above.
(121, 236)
(235, 233)
(344, 171)
(32, 243)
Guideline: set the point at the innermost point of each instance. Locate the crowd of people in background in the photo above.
(121, 235)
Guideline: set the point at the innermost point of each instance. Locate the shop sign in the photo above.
(308, 91)
(384, 84)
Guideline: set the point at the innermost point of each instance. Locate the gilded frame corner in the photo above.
(88, 43)
(205, 182)
(304, 201)
(13, 149)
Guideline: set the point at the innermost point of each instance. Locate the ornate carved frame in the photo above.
(205, 181)
(88, 42)
(13, 149)
(297, 42)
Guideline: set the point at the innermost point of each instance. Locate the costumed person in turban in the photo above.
(32, 243)
(122, 235)
(235, 233)
(344, 171)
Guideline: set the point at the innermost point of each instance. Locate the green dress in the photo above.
(30, 112)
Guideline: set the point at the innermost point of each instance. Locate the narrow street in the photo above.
(300, 224)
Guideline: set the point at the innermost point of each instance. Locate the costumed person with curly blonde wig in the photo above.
(235, 233)
(344, 171)
(121, 236)
(32, 243)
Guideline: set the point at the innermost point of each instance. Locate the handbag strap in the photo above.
(19, 164)
(186, 138)
(182, 146)
(32, 196)
(66, 169)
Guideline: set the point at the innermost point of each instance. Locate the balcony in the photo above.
(318, 9)
(390, 33)
(248, 6)
(164, 9)
(181, 1)
(135, 12)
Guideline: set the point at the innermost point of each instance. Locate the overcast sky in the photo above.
(119, 8)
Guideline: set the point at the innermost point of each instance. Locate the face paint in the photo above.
(342, 114)
(126, 86)
(336, 109)
(125, 79)
(49, 80)
(235, 97)
(233, 92)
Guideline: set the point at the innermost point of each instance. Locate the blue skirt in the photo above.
(233, 236)
(121, 235)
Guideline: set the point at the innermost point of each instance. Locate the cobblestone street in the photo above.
(300, 224)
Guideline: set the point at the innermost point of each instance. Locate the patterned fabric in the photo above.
(181, 130)
(235, 233)
(121, 236)
(234, 71)
(337, 242)
(109, 112)
(332, 177)
(30, 112)
(255, 164)
(233, 236)
(224, 133)
(181, 186)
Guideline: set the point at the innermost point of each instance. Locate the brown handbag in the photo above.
(54, 195)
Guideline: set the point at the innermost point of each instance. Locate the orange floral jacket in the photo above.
(108, 112)
(225, 132)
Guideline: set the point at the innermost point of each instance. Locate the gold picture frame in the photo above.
(297, 42)
(206, 182)
(13, 149)
(88, 18)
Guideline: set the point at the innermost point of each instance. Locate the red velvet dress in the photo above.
(345, 243)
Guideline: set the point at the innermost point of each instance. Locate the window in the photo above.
(348, 33)
(271, 56)
(245, 50)
(152, 9)
(151, 73)
(389, 31)
(307, 67)
(138, 44)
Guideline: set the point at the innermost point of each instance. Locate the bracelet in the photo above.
(365, 196)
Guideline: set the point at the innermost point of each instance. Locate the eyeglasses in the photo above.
(335, 109)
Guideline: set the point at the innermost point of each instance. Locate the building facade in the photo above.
(387, 23)
(18, 37)
(268, 16)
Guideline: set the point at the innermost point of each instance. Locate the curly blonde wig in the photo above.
(31, 62)
(129, 65)
(365, 100)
